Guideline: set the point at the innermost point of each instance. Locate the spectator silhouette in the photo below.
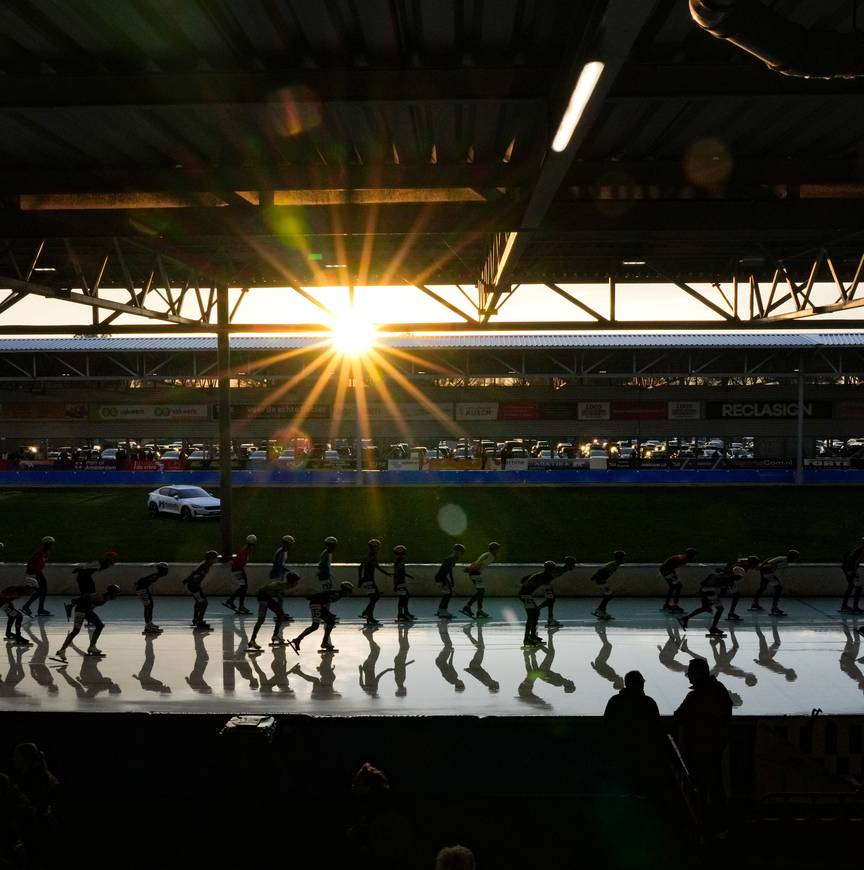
(455, 858)
(382, 836)
(632, 724)
(704, 720)
(38, 786)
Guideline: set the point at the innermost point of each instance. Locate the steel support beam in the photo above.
(516, 84)
(95, 302)
(261, 176)
(529, 326)
(223, 351)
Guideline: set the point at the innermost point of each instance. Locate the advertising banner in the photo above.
(593, 410)
(639, 410)
(400, 411)
(850, 410)
(164, 413)
(519, 411)
(403, 464)
(769, 410)
(684, 410)
(476, 411)
(559, 410)
(43, 411)
(276, 411)
(139, 465)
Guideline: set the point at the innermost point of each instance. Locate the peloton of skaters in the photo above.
(536, 589)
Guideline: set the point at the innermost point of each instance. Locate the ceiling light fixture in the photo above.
(585, 85)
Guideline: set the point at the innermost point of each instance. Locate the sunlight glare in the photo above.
(353, 335)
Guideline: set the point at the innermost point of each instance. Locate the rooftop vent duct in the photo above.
(782, 45)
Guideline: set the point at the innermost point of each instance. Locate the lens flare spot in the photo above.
(452, 520)
(708, 163)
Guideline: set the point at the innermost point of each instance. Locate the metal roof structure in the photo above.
(194, 361)
(575, 341)
(170, 148)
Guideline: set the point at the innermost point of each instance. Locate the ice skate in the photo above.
(755, 607)
(444, 614)
(26, 609)
(96, 653)
(467, 611)
(733, 617)
(252, 646)
(43, 613)
(22, 641)
(682, 621)
(230, 605)
(59, 656)
(244, 610)
(715, 632)
(482, 614)
(553, 623)
(776, 611)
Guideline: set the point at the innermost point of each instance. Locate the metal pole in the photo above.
(223, 355)
(799, 448)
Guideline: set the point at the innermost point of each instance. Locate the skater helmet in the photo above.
(374, 543)
(458, 548)
(738, 571)
(111, 556)
(346, 587)
(400, 550)
(494, 545)
(47, 539)
(287, 539)
(793, 555)
(569, 561)
(292, 579)
(330, 541)
(548, 565)
(112, 590)
(161, 567)
(619, 555)
(691, 552)
(251, 539)
(32, 582)
(211, 554)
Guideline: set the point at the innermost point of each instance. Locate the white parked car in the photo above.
(259, 456)
(187, 502)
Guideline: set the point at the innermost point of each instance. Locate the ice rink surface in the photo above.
(812, 658)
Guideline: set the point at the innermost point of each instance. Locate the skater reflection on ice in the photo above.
(278, 681)
(322, 686)
(542, 671)
(475, 666)
(400, 663)
(723, 664)
(234, 655)
(39, 669)
(15, 674)
(601, 663)
(91, 682)
(669, 650)
(525, 690)
(444, 659)
(145, 676)
(369, 679)
(768, 652)
(849, 657)
(196, 680)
